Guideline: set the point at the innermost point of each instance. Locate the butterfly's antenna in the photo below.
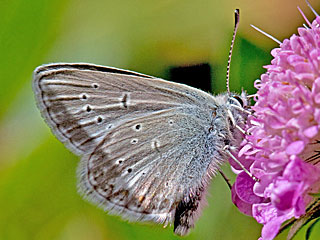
(236, 24)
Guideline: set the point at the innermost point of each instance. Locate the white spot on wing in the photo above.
(137, 127)
(83, 97)
(155, 144)
(91, 179)
(95, 85)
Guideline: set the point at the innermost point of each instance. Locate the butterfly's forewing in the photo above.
(145, 142)
(75, 106)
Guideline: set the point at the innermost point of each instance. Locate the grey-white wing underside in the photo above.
(144, 141)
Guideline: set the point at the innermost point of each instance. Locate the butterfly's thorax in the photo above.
(223, 128)
(218, 131)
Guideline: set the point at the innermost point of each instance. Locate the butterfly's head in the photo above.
(239, 100)
(238, 109)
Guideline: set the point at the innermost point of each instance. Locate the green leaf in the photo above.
(315, 195)
(310, 228)
(297, 226)
(313, 211)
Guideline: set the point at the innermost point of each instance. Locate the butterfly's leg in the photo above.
(235, 124)
(252, 96)
(241, 109)
(225, 178)
(226, 149)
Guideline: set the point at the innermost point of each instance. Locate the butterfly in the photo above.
(148, 147)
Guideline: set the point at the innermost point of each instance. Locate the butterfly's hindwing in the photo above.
(143, 164)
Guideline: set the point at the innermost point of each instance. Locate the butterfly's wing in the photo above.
(66, 102)
(146, 147)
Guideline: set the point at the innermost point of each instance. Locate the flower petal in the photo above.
(244, 189)
(295, 148)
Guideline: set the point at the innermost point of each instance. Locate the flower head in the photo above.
(282, 150)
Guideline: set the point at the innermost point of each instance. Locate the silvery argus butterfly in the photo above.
(148, 146)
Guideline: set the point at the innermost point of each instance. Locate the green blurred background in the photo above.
(38, 196)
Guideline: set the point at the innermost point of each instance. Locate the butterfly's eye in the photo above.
(237, 100)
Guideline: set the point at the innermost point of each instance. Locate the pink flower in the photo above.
(282, 148)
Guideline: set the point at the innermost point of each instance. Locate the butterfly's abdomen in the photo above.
(188, 210)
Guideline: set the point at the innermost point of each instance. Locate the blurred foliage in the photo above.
(38, 198)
